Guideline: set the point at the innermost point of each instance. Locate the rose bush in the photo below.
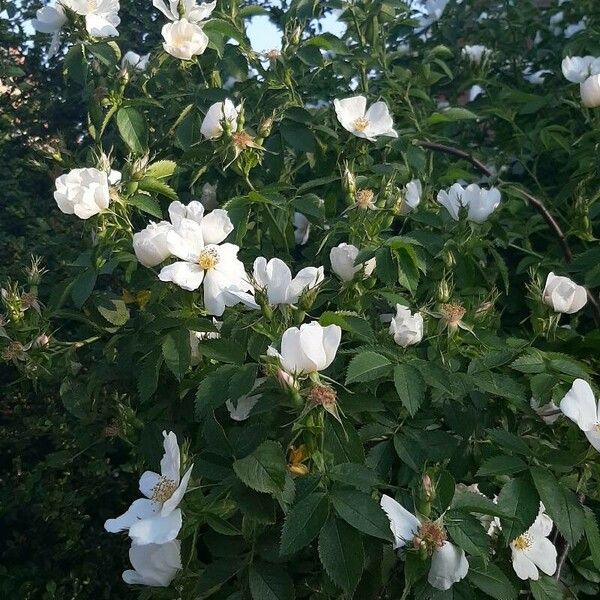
(341, 335)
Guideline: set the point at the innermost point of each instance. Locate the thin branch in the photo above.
(536, 202)
(561, 560)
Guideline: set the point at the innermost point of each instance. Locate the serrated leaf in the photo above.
(133, 129)
(501, 465)
(450, 115)
(213, 390)
(410, 387)
(561, 505)
(114, 310)
(243, 381)
(216, 574)
(520, 501)
(490, 580)
(356, 475)
(467, 533)
(303, 523)
(176, 351)
(593, 536)
(161, 169)
(545, 588)
(148, 375)
(476, 503)
(147, 204)
(362, 512)
(341, 553)
(270, 582)
(367, 366)
(150, 184)
(264, 470)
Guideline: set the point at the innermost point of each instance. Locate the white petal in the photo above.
(332, 335)
(173, 502)
(523, 566)
(580, 406)
(292, 358)
(543, 553)
(350, 109)
(157, 529)
(448, 565)
(186, 275)
(216, 226)
(404, 525)
(279, 278)
(170, 462)
(186, 241)
(148, 482)
(311, 344)
(139, 509)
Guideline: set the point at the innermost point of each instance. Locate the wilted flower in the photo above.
(153, 564)
(413, 191)
(448, 563)
(353, 115)
(84, 192)
(406, 328)
(563, 295)
(309, 348)
(590, 92)
(342, 259)
(156, 519)
(451, 315)
(479, 202)
(184, 39)
(135, 61)
(475, 54)
(101, 16)
(578, 68)
(219, 112)
(533, 551)
(296, 458)
(301, 229)
(579, 404)
(364, 199)
(193, 12)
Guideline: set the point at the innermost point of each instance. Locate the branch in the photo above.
(561, 560)
(536, 202)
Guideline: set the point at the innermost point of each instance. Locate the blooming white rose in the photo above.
(212, 125)
(590, 91)
(84, 192)
(448, 563)
(101, 16)
(308, 349)
(156, 519)
(533, 551)
(476, 53)
(353, 115)
(50, 19)
(301, 229)
(413, 191)
(578, 68)
(342, 259)
(203, 257)
(193, 12)
(150, 244)
(563, 295)
(406, 328)
(479, 202)
(135, 61)
(154, 564)
(579, 404)
(183, 39)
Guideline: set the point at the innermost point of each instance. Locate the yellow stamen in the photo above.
(208, 259)
(522, 542)
(163, 490)
(361, 124)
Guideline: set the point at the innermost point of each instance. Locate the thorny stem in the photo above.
(536, 202)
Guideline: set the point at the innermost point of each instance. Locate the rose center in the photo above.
(208, 259)
(361, 124)
(163, 490)
(431, 536)
(522, 542)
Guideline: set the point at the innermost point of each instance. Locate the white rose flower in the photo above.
(203, 257)
(308, 349)
(413, 191)
(448, 563)
(574, 28)
(150, 244)
(406, 328)
(590, 91)
(369, 124)
(156, 519)
(577, 69)
(476, 53)
(193, 12)
(84, 192)
(212, 125)
(154, 564)
(101, 16)
(533, 551)
(579, 404)
(50, 19)
(301, 229)
(563, 295)
(183, 39)
(479, 202)
(342, 259)
(135, 61)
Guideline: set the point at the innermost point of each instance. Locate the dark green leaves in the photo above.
(490, 580)
(303, 523)
(264, 470)
(367, 366)
(501, 465)
(133, 129)
(545, 588)
(270, 582)
(410, 387)
(520, 501)
(176, 352)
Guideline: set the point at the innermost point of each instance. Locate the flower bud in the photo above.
(444, 291)
(264, 129)
(590, 92)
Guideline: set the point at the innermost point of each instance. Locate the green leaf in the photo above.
(213, 390)
(161, 169)
(353, 323)
(545, 588)
(410, 387)
(367, 366)
(501, 465)
(561, 505)
(341, 553)
(216, 574)
(270, 582)
(467, 533)
(223, 350)
(362, 512)
(328, 41)
(593, 536)
(150, 184)
(490, 580)
(147, 204)
(298, 136)
(521, 503)
(83, 286)
(303, 523)
(133, 129)
(410, 453)
(243, 381)
(176, 352)
(451, 115)
(148, 375)
(343, 443)
(355, 475)
(264, 470)
(114, 310)
(476, 503)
